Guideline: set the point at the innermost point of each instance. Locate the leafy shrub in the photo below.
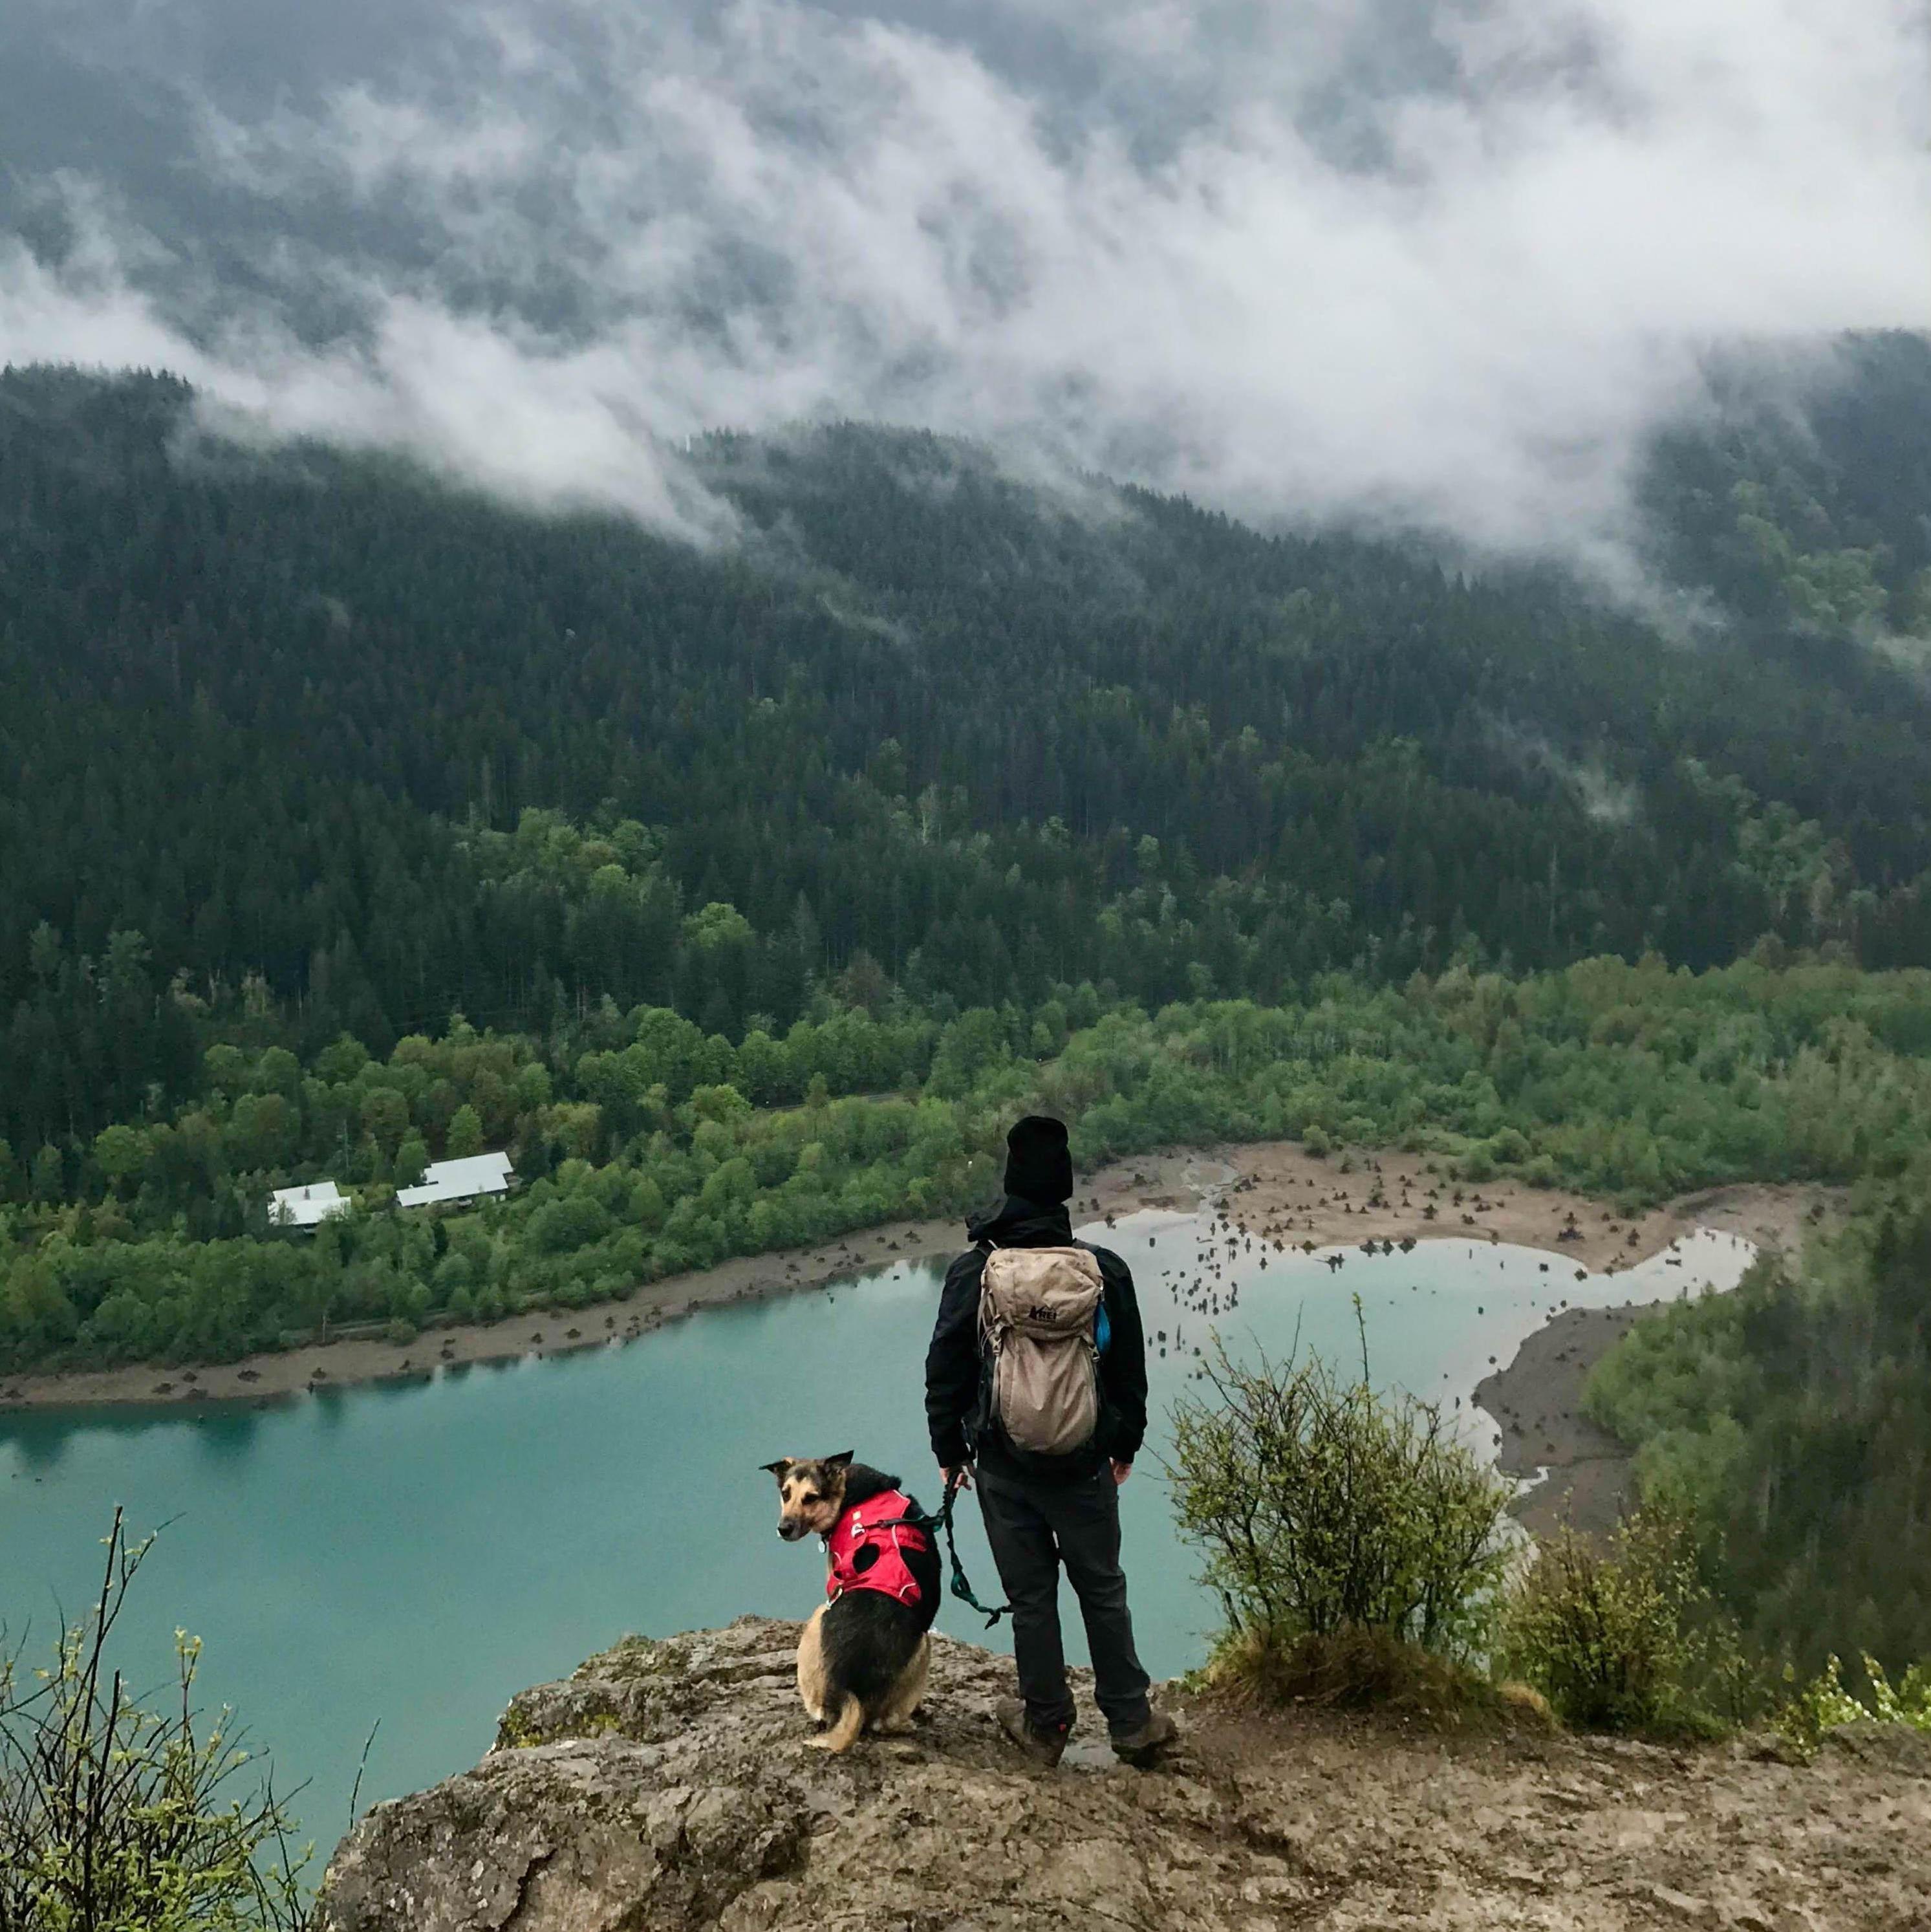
(1623, 1636)
(1325, 1509)
(115, 1819)
(1823, 1702)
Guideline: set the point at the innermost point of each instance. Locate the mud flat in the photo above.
(1536, 1400)
(1276, 1185)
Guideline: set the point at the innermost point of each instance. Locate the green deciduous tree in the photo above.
(465, 1133)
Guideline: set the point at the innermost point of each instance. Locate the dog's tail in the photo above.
(845, 1728)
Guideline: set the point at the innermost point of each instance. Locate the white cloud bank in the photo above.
(1246, 252)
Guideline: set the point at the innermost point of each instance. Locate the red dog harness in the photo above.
(874, 1525)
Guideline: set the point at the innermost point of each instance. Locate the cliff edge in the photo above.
(667, 1786)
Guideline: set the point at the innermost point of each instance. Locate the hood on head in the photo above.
(1016, 1222)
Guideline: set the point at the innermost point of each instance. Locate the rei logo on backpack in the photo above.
(1039, 1310)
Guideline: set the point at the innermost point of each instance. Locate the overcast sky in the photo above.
(1442, 262)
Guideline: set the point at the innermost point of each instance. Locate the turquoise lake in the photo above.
(414, 1554)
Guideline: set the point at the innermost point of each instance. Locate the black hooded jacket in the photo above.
(952, 1362)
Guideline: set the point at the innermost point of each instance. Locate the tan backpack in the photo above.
(1038, 1311)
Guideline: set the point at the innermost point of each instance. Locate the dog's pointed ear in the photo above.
(841, 1459)
(778, 1468)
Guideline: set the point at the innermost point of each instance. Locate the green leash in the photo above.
(962, 1587)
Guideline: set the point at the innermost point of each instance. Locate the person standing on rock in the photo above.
(1036, 1376)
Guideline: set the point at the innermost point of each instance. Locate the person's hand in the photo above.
(959, 1477)
(1121, 1471)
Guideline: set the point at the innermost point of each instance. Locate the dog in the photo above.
(865, 1651)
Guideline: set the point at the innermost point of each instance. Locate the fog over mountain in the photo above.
(1442, 264)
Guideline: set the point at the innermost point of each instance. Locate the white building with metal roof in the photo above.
(468, 1179)
(307, 1206)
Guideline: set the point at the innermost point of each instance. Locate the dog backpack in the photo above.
(1038, 1311)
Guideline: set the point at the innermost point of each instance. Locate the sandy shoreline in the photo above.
(1274, 1185)
(1536, 1400)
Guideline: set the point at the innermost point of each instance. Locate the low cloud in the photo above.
(1603, 796)
(1362, 260)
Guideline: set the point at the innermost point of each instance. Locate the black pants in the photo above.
(1033, 1528)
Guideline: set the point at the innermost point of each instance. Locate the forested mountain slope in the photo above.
(1804, 504)
(267, 718)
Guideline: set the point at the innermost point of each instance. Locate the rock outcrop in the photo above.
(668, 1787)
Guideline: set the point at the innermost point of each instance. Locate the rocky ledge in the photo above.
(668, 1785)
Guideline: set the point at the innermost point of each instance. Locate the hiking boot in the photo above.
(1042, 1746)
(1143, 1745)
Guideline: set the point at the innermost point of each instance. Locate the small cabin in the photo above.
(307, 1206)
(444, 1183)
